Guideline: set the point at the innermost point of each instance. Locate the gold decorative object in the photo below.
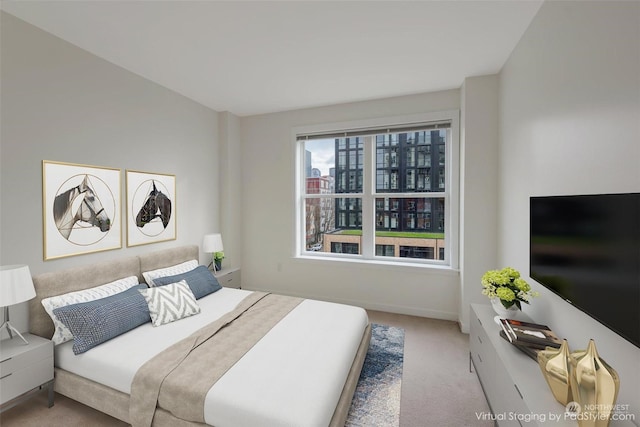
(555, 364)
(595, 386)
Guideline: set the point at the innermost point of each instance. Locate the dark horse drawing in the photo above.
(157, 205)
(79, 204)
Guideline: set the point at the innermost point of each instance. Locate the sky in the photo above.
(322, 154)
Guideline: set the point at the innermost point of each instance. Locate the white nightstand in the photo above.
(229, 278)
(25, 367)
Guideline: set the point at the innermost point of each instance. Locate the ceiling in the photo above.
(265, 56)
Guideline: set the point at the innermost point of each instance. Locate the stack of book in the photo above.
(530, 338)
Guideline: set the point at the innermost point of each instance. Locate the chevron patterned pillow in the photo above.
(170, 303)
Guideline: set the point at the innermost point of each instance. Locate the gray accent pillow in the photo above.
(98, 321)
(200, 280)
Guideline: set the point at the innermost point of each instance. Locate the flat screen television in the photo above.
(586, 249)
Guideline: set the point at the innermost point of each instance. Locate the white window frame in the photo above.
(451, 195)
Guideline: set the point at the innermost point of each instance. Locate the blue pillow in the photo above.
(201, 281)
(95, 322)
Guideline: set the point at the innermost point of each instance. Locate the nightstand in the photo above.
(25, 367)
(229, 278)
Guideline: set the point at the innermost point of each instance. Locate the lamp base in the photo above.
(212, 267)
(10, 327)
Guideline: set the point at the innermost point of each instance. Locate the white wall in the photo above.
(61, 103)
(230, 179)
(570, 124)
(478, 188)
(268, 219)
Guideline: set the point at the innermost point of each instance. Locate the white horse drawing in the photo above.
(79, 204)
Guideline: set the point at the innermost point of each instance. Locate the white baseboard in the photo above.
(389, 308)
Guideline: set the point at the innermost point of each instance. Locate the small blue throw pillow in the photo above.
(200, 280)
(95, 322)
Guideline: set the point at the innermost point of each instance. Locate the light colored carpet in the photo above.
(437, 387)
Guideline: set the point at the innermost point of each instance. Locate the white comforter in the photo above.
(292, 377)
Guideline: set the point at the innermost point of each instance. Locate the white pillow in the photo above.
(170, 302)
(62, 333)
(169, 271)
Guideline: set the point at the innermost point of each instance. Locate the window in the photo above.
(385, 250)
(344, 248)
(387, 191)
(416, 252)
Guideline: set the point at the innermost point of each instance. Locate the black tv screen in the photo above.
(586, 249)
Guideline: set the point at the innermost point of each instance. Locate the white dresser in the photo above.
(25, 367)
(513, 384)
(229, 278)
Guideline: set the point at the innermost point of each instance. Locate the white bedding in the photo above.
(293, 376)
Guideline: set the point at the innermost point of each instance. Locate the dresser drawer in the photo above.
(229, 278)
(485, 358)
(16, 358)
(22, 380)
(481, 351)
(509, 401)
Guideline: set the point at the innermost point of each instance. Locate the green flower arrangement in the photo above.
(507, 286)
(217, 260)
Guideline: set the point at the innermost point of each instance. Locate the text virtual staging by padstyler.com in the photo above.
(573, 411)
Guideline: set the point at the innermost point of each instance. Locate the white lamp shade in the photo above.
(212, 243)
(16, 285)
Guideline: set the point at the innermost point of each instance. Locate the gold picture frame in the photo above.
(151, 207)
(81, 208)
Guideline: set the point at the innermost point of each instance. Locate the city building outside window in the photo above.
(386, 192)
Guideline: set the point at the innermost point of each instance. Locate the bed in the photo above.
(301, 370)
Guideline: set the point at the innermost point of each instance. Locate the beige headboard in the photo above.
(89, 276)
(166, 258)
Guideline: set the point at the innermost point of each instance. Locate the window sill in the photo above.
(433, 268)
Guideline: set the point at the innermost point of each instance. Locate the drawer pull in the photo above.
(479, 358)
(479, 339)
(518, 390)
(8, 375)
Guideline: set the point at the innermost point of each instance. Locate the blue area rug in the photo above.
(376, 402)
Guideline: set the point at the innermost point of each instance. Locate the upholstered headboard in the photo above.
(89, 276)
(166, 258)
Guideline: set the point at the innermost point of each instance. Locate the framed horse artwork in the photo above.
(80, 209)
(151, 207)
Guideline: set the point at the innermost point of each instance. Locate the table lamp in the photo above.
(212, 243)
(16, 286)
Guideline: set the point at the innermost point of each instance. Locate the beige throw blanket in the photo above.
(179, 378)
